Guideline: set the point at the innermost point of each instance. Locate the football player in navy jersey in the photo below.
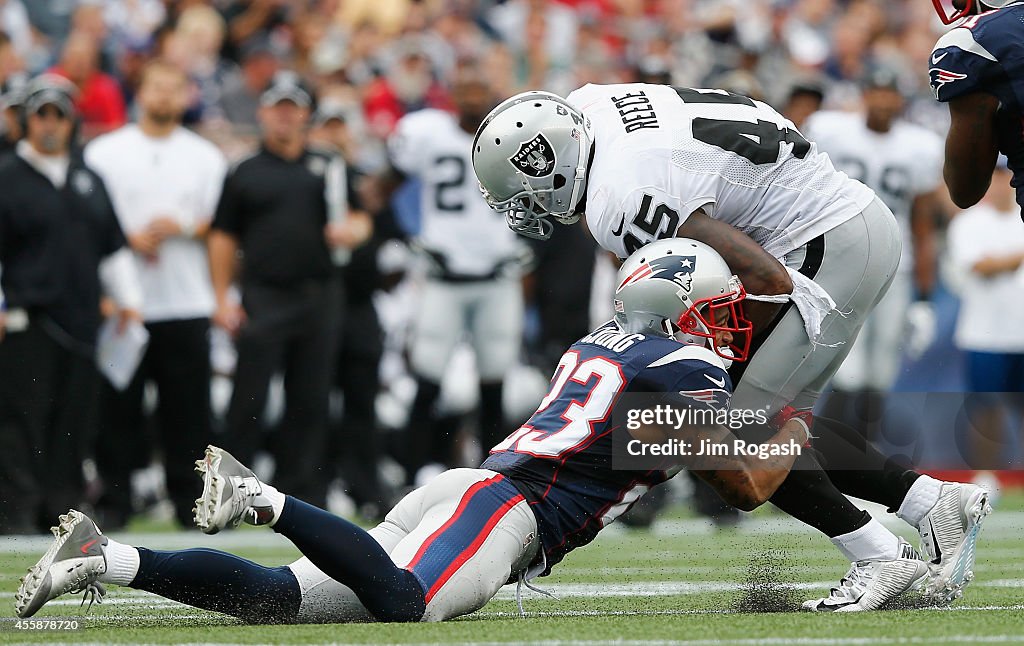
(447, 547)
(978, 69)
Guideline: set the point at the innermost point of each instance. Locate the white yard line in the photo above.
(999, 524)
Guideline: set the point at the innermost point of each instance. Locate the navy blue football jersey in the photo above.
(561, 458)
(985, 53)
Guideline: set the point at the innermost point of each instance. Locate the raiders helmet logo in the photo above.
(535, 157)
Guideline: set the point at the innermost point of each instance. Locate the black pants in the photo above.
(290, 330)
(47, 423)
(355, 444)
(177, 361)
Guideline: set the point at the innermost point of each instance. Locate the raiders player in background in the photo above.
(644, 162)
(901, 162)
(978, 69)
(473, 268)
(448, 547)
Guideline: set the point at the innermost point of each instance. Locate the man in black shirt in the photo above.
(284, 209)
(56, 227)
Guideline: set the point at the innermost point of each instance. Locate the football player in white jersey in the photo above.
(473, 265)
(643, 162)
(902, 163)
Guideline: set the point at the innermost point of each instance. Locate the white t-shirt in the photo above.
(991, 309)
(662, 154)
(898, 165)
(179, 176)
(456, 221)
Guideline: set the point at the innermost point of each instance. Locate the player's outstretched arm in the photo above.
(748, 481)
(971, 147)
(759, 271)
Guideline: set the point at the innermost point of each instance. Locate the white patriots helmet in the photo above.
(951, 11)
(530, 155)
(682, 288)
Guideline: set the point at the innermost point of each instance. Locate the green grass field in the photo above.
(683, 583)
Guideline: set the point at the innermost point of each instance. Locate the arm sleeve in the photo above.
(960, 65)
(694, 384)
(117, 270)
(121, 280)
(114, 237)
(228, 216)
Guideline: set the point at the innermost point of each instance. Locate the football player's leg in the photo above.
(354, 558)
(439, 325)
(466, 546)
(82, 558)
(497, 330)
(889, 333)
(211, 580)
(325, 600)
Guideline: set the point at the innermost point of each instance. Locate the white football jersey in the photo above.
(456, 221)
(662, 153)
(898, 165)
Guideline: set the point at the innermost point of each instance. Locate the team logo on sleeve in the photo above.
(939, 77)
(678, 269)
(715, 397)
(535, 157)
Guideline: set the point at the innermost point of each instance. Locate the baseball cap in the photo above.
(287, 86)
(12, 92)
(331, 109)
(49, 89)
(881, 78)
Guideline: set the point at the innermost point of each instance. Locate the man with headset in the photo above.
(58, 234)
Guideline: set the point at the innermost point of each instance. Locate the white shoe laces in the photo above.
(855, 577)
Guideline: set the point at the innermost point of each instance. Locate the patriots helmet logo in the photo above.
(939, 77)
(678, 269)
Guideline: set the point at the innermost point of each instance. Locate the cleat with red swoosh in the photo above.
(73, 563)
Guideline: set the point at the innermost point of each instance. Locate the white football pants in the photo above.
(463, 535)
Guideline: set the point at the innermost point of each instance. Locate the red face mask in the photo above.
(949, 14)
(694, 322)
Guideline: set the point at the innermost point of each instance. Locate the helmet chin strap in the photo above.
(703, 341)
(579, 183)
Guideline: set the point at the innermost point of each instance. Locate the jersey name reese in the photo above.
(636, 111)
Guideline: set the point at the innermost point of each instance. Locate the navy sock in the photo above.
(215, 580)
(349, 555)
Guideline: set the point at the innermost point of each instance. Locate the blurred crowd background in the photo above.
(381, 59)
(370, 62)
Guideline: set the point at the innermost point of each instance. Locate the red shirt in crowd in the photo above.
(100, 101)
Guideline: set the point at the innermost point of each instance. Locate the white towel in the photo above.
(812, 301)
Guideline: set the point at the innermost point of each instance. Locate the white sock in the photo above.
(122, 563)
(276, 500)
(872, 542)
(923, 495)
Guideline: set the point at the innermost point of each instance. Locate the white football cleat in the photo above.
(72, 564)
(869, 584)
(949, 533)
(230, 493)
